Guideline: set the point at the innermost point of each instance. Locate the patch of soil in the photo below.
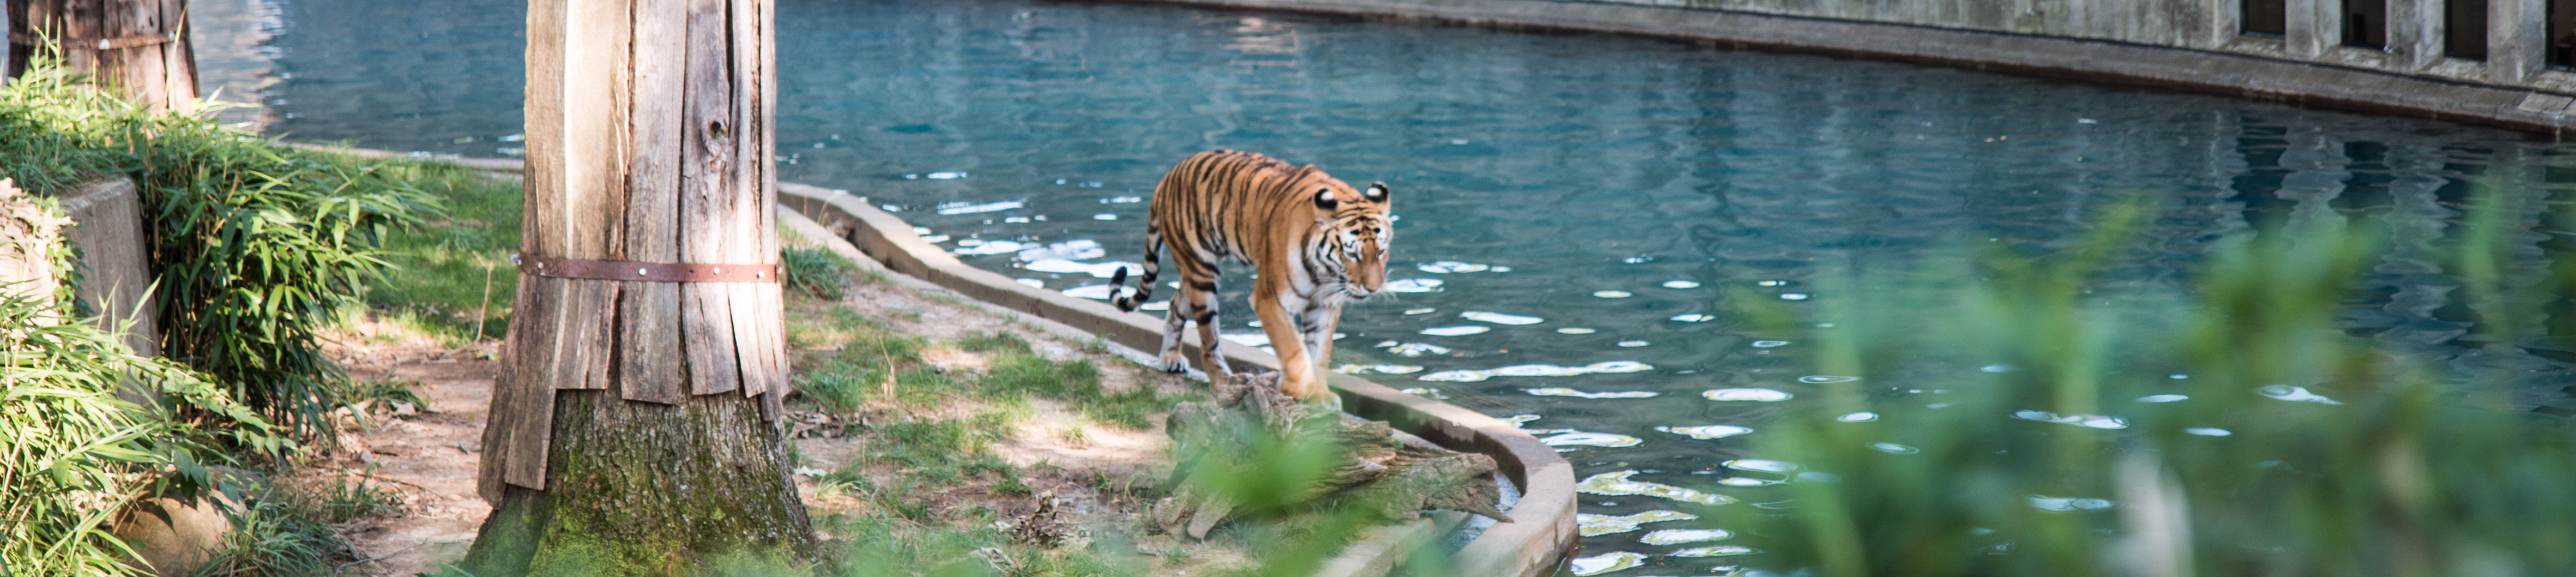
(430, 458)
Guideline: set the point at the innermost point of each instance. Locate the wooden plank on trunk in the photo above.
(575, 181)
(544, 175)
(592, 125)
(764, 37)
(588, 321)
(520, 422)
(757, 307)
(650, 365)
(707, 203)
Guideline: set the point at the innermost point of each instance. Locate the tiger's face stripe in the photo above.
(1315, 242)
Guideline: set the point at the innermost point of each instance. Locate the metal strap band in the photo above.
(648, 271)
(115, 43)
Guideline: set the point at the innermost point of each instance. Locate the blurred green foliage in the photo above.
(2016, 432)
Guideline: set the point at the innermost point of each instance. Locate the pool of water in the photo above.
(1606, 187)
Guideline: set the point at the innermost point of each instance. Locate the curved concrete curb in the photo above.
(1533, 544)
(2300, 83)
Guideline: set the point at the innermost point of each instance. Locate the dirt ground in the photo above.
(430, 457)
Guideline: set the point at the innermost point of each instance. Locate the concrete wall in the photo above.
(2186, 44)
(114, 274)
(2192, 23)
(2315, 30)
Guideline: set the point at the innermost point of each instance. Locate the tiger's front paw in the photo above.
(1175, 365)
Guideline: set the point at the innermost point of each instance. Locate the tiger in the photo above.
(1314, 243)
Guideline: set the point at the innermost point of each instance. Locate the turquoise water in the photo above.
(1563, 165)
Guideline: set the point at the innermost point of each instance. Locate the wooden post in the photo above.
(138, 46)
(640, 414)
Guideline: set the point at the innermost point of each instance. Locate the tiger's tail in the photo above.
(1144, 286)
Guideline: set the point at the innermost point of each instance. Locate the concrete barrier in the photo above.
(114, 276)
(1542, 530)
(2511, 88)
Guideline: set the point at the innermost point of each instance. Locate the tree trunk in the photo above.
(633, 424)
(140, 47)
(648, 489)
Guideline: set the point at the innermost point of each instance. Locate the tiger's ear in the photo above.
(1324, 199)
(1376, 192)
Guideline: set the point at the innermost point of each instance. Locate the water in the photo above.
(1608, 187)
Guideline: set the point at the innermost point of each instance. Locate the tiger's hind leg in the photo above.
(1204, 299)
(1175, 319)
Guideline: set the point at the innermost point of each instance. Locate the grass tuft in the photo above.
(817, 272)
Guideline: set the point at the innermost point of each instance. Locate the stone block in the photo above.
(114, 276)
(172, 537)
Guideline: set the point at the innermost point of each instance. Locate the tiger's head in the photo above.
(1354, 234)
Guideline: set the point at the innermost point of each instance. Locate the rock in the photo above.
(173, 538)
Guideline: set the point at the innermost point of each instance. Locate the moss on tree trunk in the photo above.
(646, 489)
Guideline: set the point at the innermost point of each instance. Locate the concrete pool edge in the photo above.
(2291, 82)
(1533, 544)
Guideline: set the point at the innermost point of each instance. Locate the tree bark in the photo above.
(139, 47)
(642, 488)
(632, 429)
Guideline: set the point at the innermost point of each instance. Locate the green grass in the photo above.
(817, 272)
(350, 497)
(1077, 382)
(285, 531)
(994, 342)
(1017, 371)
(453, 278)
(941, 451)
(274, 539)
(892, 545)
